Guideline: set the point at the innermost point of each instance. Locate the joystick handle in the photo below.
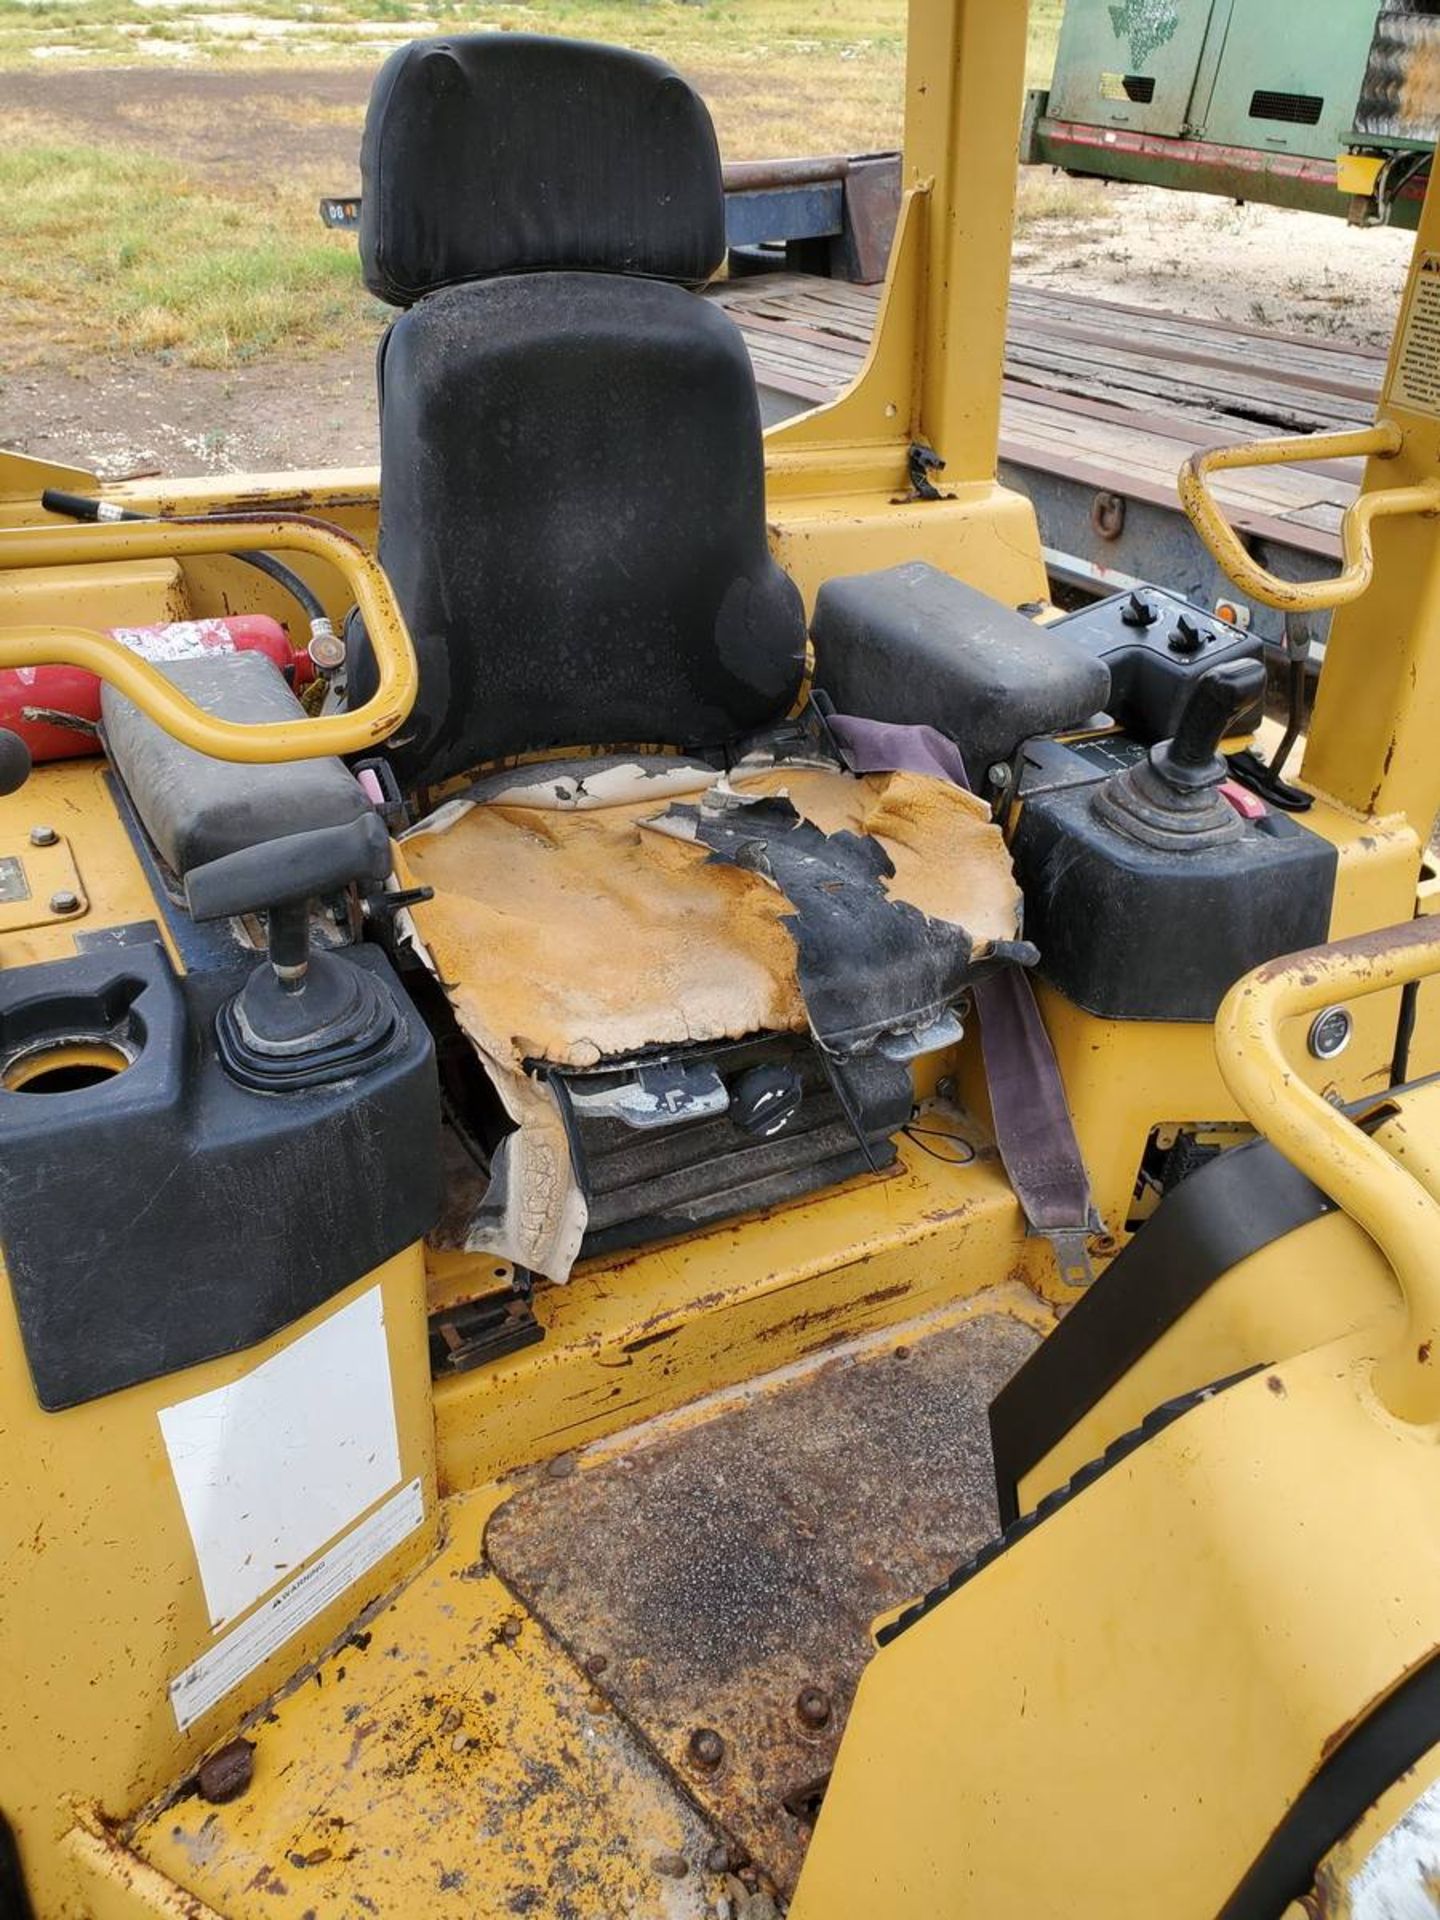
(1220, 700)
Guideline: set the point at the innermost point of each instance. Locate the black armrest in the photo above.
(916, 647)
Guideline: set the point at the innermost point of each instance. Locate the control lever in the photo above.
(1171, 800)
(302, 1017)
(1218, 703)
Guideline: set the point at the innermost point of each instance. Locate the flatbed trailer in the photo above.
(1102, 404)
(1327, 105)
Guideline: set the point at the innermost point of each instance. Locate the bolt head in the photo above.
(812, 1708)
(226, 1773)
(706, 1749)
(65, 902)
(43, 837)
(998, 774)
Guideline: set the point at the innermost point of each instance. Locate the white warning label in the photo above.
(1415, 384)
(229, 1661)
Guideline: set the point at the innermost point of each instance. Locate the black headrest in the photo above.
(492, 153)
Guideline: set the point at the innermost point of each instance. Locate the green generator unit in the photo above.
(1330, 105)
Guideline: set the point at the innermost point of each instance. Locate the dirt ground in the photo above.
(121, 415)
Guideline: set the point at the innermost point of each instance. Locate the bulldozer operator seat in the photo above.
(572, 484)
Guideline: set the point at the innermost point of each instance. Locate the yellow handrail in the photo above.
(1398, 1213)
(267, 743)
(1382, 441)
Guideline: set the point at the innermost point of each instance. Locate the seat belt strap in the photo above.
(1034, 1132)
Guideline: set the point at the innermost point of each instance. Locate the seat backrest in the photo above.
(572, 506)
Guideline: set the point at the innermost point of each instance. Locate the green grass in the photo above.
(119, 250)
(773, 38)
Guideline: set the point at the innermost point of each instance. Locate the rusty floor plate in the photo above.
(721, 1579)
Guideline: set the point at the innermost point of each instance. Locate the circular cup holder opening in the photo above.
(69, 1066)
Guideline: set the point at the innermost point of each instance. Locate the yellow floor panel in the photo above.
(449, 1760)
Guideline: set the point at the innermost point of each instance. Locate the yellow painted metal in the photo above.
(456, 1761)
(103, 1601)
(350, 732)
(1109, 1722)
(1124, 1078)
(1394, 1208)
(93, 855)
(1358, 173)
(1317, 1284)
(23, 478)
(1381, 442)
(1377, 713)
(139, 593)
(47, 882)
(1198, 1589)
(838, 483)
(462, 1699)
(633, 1335)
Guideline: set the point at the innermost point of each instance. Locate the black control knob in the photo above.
(1217, 704)
(1137, 612)
(1187, 638)
(14, 762)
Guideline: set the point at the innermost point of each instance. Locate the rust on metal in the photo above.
(812, 1708)
(729, 1569)
(706, 1749)
(226, 1773)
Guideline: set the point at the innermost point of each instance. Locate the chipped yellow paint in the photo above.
(103, 1602)
(1379, 443)
(1196, 1590)
(448, 1759)
(70, 798)
(641, 1333)
(1141, 1687)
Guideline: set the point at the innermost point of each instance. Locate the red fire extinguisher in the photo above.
(55, 710)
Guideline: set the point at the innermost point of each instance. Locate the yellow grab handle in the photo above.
(1400, 1216)
(1382, 441)
(157, 697)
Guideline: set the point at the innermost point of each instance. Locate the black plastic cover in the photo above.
(1134, 933)
(1157, 646)
(915, 646)
(572, 515)
(1243, 1200)
(167, 1215)
(197, 809)
(494, 153)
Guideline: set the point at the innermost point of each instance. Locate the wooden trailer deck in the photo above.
(1103, 400)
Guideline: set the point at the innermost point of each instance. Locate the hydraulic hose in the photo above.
(80, 506)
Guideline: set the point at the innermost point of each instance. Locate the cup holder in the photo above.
(72, 1066)
(71, 1043)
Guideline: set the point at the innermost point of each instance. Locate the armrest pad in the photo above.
(914, 646)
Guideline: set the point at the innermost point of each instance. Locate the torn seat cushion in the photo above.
(592, 913)
(197, 809)
(572, 937)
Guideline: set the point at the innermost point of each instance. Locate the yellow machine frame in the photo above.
(1278, 1556)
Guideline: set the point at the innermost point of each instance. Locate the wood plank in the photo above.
(1105, 392)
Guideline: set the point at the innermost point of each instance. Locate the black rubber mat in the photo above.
(718, 1582)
